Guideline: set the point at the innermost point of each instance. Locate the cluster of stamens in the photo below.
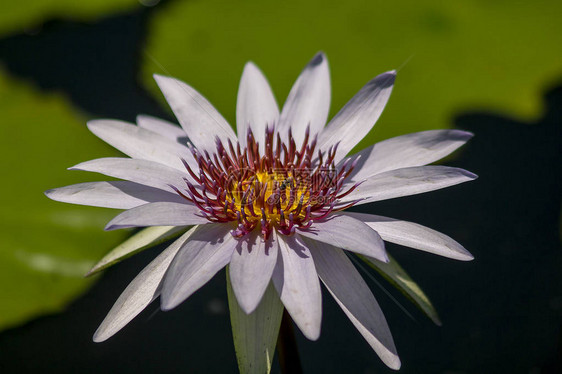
(285, 188)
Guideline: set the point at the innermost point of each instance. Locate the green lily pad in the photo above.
(47, 246)
(450, 56)
(20, 16)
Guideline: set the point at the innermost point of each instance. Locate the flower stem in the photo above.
(289, 359)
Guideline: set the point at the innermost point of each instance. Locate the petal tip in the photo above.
(385, 258)
(167, 303)
(465, 135)
(53, 194)
(467, 256)
(94, 270)
(93, 124)
(89, 273)
(110, 227)
(250, 65)
(393, 363)
(389, 75)
(471, 175)
(312, 334)
(162, 80)
(384, 80)
(318, 59)
(247, 307)
(100, 336)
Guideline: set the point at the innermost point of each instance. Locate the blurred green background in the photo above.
(484, 66)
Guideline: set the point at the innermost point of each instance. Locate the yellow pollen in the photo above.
(269, 193)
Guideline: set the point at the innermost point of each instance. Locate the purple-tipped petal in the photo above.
(308, 102)
(208, 250)
(164, 128)
(358, 116)
(200, 120)
(251, 268)
(353, 295)
(256, 107)
(114, 194)
(139, 293)
(417, 149)
(140, 143)
(145, 172)
(296, 282)
(158, 214)
(406, 182)
(416, 236)
(348, 233)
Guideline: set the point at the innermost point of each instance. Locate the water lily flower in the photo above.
(268, 202)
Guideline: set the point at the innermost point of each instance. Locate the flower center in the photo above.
(284, 189)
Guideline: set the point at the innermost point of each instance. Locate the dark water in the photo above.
(501, 313)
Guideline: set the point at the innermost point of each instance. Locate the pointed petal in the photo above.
(158, 214)
(200, 120)
(114, 194)
(140, 143)
(145, 172)
(406, 182)
(256, 107)
(255, 334)
(358, 116)
(251, 268)
(308, 102)
(208, 251)
(139, 293)
(162, 127)
(356, 300)
(398, 277)
(348, 233)
(296, 282)
(417, 149)
(144, 239)
(412, 235)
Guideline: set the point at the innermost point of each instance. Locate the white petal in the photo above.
(208, 251)
(308, 102)
(255, 334)
(406, 182)
(145, 172)
(114, 194)
(348, 233)
(141, 240)
(200, 120)
(416, 236)
(164, 128)
(139, 293)
(250, 269)
(158, 214)
(356, 300)
(256, 107)
(417, 149)
(358, 116)
(296, 282)
(143, 144)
